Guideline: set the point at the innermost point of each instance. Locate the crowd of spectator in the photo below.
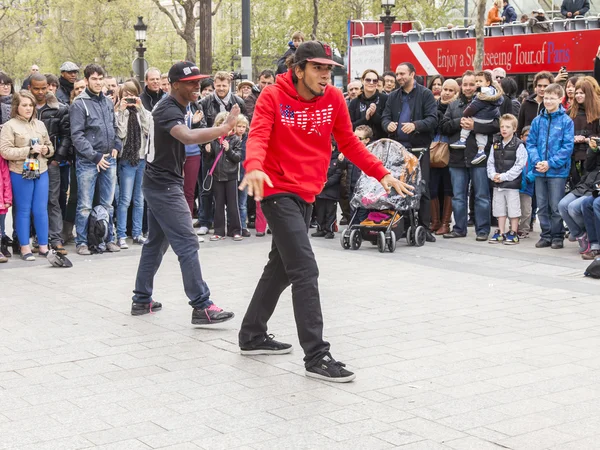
(74, 147)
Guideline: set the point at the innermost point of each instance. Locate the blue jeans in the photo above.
(460, 187)
(549, 192)
(170, 223)
(87, 177)
(130, 188)
(243, 206)
(570, 210)
(590, 207)
(2, 225)
(30, 197)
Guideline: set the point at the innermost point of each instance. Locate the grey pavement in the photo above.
(456, 345)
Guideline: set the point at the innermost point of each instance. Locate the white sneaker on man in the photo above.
(202, 231)
(122, 243)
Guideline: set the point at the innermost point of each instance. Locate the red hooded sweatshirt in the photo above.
(290, 139)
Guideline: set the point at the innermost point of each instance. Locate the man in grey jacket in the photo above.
(94, 136)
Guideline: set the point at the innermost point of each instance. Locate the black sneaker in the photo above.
(428, 236)
(246, 233)
(268, 346)
(139, 309)
(328, 369)
(542, 243)
(318, 234)
(453, 235)
(482, 237)
(557, 243)
(329, 235)
(212, 314)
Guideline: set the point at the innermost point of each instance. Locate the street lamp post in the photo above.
(388, 21)
(140, 36)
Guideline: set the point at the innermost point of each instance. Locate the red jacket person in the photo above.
(287, 156)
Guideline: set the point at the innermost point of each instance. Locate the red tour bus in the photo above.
(450, 52)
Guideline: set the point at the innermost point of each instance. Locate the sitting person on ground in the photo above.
(483, 109)
(590, 206)
(326, 201)
(550, 145)
(505, 168)
(526, 193)
(573, 8)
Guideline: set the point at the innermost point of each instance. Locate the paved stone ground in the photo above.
(457, 345)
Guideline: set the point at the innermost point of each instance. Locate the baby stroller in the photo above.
(389, 214)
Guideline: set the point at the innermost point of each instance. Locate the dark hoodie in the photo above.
(290, 139)
(281, 65)
(63, 93)
(55, 116)
(358, 113)
(485, 106)
(530, 109)
(150, 99)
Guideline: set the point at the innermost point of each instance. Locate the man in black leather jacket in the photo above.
(56, 118)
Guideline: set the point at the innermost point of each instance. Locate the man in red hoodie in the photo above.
(287, 157)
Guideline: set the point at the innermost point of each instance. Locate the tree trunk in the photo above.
(315, 24)
(479, 31)
(205, 22)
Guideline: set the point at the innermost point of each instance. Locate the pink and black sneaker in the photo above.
(212, 314)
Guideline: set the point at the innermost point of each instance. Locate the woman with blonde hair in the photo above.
(25, 144)
(494, 14)
(440, 184)
(133, 126)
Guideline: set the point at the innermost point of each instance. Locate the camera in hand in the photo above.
(130, 101)
(239, 76)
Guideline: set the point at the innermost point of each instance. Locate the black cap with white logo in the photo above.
(185, 71)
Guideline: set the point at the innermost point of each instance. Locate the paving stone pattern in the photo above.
(456, 345)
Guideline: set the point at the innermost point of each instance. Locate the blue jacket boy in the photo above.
(551, 139)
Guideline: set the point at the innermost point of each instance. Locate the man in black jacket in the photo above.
(152, 93)
(68, 75)
(410, 116)
(461, 170)
(534, 104)
(56, 118)
(572, 8)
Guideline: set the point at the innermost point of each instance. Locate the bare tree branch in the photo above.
(179, 16)
(217, 7)
(170, 16)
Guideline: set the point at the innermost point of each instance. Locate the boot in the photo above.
(446, 217)
(67, 233)
(435, 214)
(4, 243)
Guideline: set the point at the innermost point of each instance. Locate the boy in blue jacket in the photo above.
(550, 145)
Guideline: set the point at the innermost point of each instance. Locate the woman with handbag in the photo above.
(440, 184)
(25, 144)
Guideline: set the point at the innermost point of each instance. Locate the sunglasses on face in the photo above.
(371, 80)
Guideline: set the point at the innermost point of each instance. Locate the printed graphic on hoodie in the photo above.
(306, 119)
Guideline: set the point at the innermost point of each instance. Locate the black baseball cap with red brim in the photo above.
(185, 71)
(316, 52)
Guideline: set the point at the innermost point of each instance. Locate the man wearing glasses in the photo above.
(499, 74)
(169, 217)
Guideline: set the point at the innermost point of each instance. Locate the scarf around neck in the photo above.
(133, 143)
(223, 102)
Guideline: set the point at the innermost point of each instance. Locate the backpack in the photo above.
(98, 229)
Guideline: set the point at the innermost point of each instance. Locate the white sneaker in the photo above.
(123, 244)
(140, 240)
(200, 240)
(202, 231)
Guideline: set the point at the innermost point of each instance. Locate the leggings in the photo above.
(2, 225)
(30, 197)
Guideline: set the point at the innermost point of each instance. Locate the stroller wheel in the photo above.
(420, 236)
(381, 242)
(410, 236)
(345, 239)
(355, 239)
(391, 243)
